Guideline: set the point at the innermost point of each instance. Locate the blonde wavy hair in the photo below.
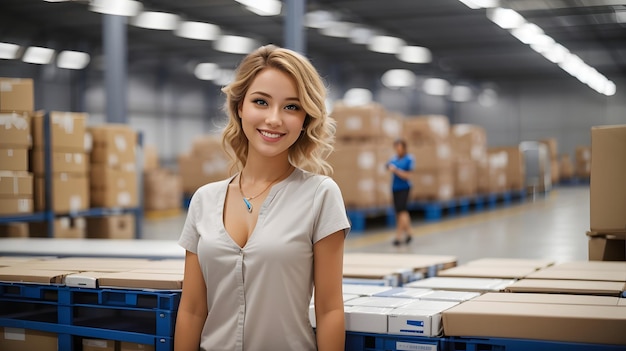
(314, 145)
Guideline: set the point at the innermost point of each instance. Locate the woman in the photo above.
(400, 166)
(257, 242)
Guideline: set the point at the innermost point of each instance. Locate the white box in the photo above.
(425, 305)
(462, 284)
(414, 322)
(406, 293)
(367, 319)
(389, 302)
(346, 297)
(456, 296)
(364, 290)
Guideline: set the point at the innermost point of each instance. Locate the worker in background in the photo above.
(400, 167)
(258, 242)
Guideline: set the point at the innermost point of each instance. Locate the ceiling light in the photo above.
(319, 19)
(542, 44)
(361, 35)
(461, 93)
(572, 64)
(262, 7)
(73, 60)
(55, 0)
(235, 44)
(398, 78)
(38, 55)
(8, 51)
(556, 54)
(480, 4)
(528, 33)
(337, 29)
(127, 8)
(609, 89)
(386, 44)
(198, 30)
(505, 18)
(436, 86)
(415, 54)
(156, 20)
(488, 98)
(224, 77)
(357, 97)
(207, 71)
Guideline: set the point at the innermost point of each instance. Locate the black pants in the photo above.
(400, 200)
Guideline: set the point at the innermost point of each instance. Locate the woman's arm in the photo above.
(328, 275)
(192, 311)
(400, 172)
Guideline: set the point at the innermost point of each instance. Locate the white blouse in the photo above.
(258, 296)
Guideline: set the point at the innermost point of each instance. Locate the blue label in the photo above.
(415, 323)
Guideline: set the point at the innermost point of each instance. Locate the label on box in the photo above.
(17, 334)
(95, 343)
(123, 198)
(6, 86)
(354, 123)
(367, 160)
(113, 160)
(23, 205)
(64, 121)
(75, 203)
(409, 346)
(120, 142)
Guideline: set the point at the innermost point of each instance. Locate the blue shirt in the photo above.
(405, 163)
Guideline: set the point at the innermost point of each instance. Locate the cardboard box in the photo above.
(592, 266)
(465, 178)
(196, 172)
(16, 205)
(554, 171)
(570, 274)
(608, 189)
(99, 345)
(462, 284)
(511, 262)
(537, 321)
(112, 187)
(583, 161)
(404, 293)
(356, 169)
(487, 272)
(415, 322)
(162, 190)
(423, 263)
(553, 147)
(16, 184)
(150, 158)
(364, 290)
(16, 95)
(66, 128)
(111, 227)
(453, 296)
(25, 274)
(15, 130)
(377, 301)
(576, 287)
(366, 319)
(114, 146)
(432, 185)
(469, 142)
(390, 276)
(492, 174)
(426, 130)
(566, 167)
(13, 230)
(550, 299)
(432, 156)
(358, 121)
(142, 281)
(62, 162)
(18, 339)
(15, 160)
(515, 168)
(64, 227)
(131, 346)
(608, 248)
(70, 193)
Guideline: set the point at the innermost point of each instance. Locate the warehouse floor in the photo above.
(549, 227)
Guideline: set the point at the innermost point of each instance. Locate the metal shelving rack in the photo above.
(49, 215)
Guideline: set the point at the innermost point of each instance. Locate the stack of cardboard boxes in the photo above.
(205, 163)
(553, 152)
(566, 167)
(469, 145)
(363, 147)
(16, 184)
(583, 162)
(607, 237)
(428, 139)
(515, 167)
(162, 190)
(114, 180)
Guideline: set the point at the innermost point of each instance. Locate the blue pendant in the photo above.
(248, 204)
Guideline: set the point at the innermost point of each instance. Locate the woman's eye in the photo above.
(292, 107)
(260, 102)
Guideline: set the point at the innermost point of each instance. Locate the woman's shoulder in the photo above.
(316, 181)
(212, 189)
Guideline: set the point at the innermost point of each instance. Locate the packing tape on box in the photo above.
(65, 121)
(13, 120)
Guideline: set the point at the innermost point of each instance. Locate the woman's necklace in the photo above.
(246, 200)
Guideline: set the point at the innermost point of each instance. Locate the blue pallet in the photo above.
(498, 344)
(382, 342)
(358, 217)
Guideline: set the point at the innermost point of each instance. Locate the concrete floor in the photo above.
(550, 227)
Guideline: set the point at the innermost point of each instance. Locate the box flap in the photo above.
(549, 298)
(511, 262)
(577, 287)
(26, 275)
(571, 274)
(513, 272)
(142, 281)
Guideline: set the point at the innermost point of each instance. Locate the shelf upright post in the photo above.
(138, 211)
(48, 175)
